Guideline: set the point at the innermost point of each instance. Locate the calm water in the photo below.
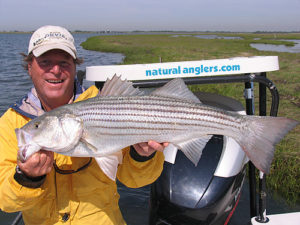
(14, 80)
(278, 48)
(14, 83)
(258, 46)
(213, 36)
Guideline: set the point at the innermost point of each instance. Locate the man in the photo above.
(76, 191)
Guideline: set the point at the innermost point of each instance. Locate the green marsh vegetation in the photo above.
(285, 172)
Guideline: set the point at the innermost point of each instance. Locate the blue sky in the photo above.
(128, 15)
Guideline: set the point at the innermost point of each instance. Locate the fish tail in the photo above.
(264, 133)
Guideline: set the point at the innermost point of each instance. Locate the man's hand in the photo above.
(147, 148)
(39, 164)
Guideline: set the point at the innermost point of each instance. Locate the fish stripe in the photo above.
(200, 117)
(124, 121)
(150, 107)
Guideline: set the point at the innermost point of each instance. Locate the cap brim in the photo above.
(45, 48)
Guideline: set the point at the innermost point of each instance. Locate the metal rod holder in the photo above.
(249, 98)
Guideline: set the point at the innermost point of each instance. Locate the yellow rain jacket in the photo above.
(86, 197)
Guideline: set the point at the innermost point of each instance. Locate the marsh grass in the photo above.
(285, 172)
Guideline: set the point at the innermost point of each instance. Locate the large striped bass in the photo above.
(101, 126)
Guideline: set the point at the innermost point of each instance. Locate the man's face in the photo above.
(53, 75)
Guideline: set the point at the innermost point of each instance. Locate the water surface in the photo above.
(213, 36)
(278, 48)
(14, 80)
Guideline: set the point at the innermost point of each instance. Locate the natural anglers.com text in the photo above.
(192, 70)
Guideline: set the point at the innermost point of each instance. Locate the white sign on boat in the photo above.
(216, 67)
(280, 219)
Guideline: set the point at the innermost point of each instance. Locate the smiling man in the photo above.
(51, 188)
(53, 76)
(53, 65)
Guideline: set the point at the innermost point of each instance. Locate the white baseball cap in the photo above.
(51, 37)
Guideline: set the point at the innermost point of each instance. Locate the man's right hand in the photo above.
(39, 164)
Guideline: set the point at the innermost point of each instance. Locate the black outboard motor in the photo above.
(204, 194)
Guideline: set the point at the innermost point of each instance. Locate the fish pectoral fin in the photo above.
(192, 149)
(89, 145)
(176, 88)
(109, 164)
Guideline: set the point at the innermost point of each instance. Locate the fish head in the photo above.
(57, 133)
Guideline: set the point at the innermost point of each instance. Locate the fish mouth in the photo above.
(27, 150)
(20, 136)
(23, 138)
(22, 153)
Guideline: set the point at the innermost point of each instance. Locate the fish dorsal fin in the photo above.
(192, 149)
(176, 88)
(118, 87)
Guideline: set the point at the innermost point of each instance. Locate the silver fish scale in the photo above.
(151, 114)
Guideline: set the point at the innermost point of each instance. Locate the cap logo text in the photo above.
(52, 35)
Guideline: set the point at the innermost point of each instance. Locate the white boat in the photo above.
(279, 219)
